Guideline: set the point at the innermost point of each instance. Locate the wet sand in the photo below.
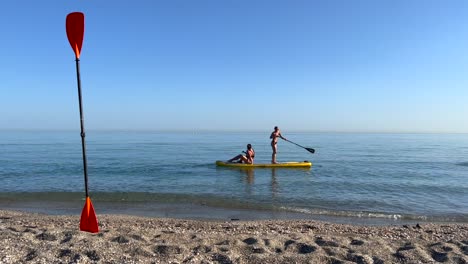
(40, 238)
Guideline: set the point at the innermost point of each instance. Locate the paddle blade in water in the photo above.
(89, 222)
(75, 31)
(311, 150)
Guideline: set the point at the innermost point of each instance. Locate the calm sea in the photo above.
(357, 177)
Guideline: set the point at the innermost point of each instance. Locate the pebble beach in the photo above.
(39, 238)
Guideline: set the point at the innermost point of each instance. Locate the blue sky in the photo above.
(377, 66)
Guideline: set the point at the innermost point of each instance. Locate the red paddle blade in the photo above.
(89, 222)
(75, 31)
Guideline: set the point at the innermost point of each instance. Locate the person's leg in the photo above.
(273, 156)
(235, 158)
(244, 159)
(247, 161)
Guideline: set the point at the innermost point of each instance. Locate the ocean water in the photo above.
(370, 177)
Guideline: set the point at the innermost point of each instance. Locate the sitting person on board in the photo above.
(248, 158)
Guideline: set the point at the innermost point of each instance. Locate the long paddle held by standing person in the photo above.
(311, 150)
(75, 34)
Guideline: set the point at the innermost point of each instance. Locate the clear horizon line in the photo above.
(203, 130)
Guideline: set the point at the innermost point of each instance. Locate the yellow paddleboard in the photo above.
(293, 164)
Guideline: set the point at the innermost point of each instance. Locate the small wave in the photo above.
(344, 213)
(386, 217)
(462, 164)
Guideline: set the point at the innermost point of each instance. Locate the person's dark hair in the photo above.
(276, 127)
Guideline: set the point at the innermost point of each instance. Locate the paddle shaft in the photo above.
(83, 135)
(294, 143)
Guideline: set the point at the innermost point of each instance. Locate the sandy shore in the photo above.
(36, 238)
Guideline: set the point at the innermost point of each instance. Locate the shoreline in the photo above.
(192, 211)
(42, 238)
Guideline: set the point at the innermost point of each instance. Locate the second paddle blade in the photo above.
(89, 222)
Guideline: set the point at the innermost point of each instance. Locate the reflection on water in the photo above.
(274, 183)
(264, 180)
(275, 174)
(250, 175)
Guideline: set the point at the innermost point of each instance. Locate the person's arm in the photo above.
(281, 136)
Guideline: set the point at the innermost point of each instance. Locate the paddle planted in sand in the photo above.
(75, 33)
(311, 150)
